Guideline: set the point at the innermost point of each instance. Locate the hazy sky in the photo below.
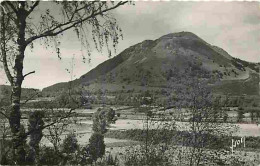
(233, 26)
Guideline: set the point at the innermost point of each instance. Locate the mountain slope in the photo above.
(156, 63)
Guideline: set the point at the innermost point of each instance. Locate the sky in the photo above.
(233, 26)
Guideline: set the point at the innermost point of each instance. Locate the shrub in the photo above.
(108, 160)
(84, 156)
(48, 156)
(139, 156)
(70, 143)
(118, 114)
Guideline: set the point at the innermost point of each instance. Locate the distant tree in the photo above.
(202, 111)
(22, 24)
(156, 135)
(205, 113)
(102, 118)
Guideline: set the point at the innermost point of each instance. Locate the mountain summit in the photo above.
(155, 62)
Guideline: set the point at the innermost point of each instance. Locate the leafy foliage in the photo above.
(70, 144)
(102, 118)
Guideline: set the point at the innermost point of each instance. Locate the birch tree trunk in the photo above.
(17, 129)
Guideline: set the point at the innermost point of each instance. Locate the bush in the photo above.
(139, 156)
(70, 144)
(118, 114)
(48, 156)
(108, 160)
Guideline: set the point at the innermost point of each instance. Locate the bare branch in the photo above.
(53, 123)
(51, 32)
(79, 9)
(3, 49)
(33, 7)
(12, 6)
(2, 113)
(32, 72)
(29, 98)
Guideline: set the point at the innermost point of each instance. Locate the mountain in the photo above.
(156, 63)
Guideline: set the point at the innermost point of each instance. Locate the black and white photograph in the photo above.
(130, 83)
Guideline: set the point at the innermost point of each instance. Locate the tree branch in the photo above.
(79, 9)
(4, 115)
(70, 21)
(28, 74)
(29, 99)
(51, 124)
(3, 49)
(51, 32)
(12, 6)
(33, 7)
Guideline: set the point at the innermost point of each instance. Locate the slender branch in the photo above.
(3, 49)
(79, 9)
(33, 7)
(53, 123)
(12, 6)
(70, 21)
(72, 16)
(32, 72)
(51, 32)
(29, 98)
(2, 113)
